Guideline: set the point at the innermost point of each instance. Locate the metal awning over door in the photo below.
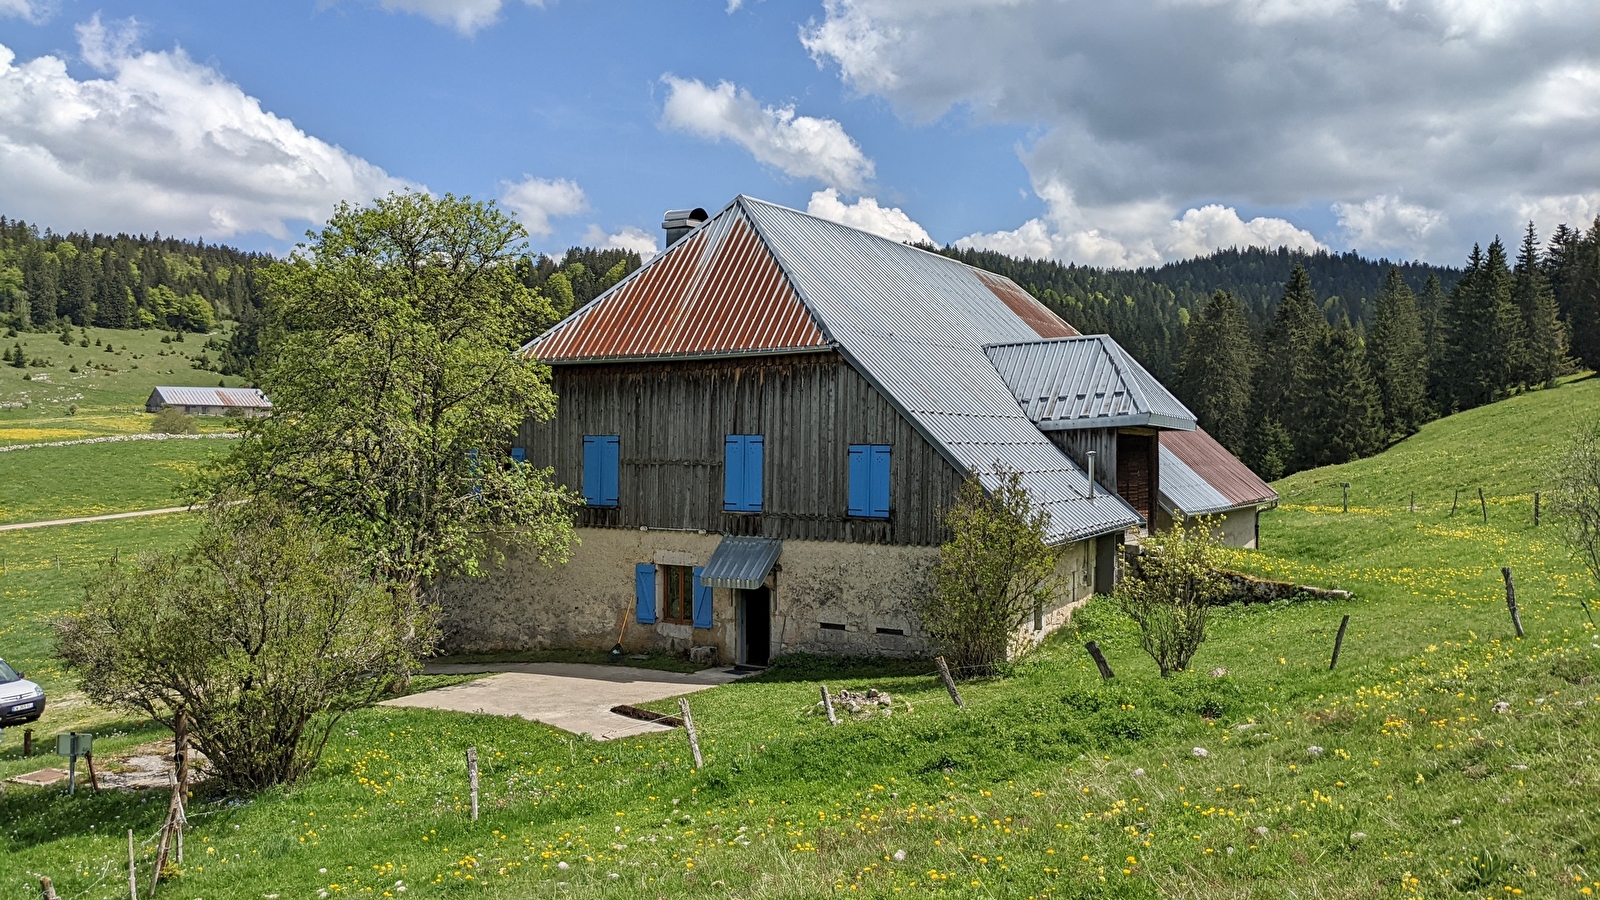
(741, 562)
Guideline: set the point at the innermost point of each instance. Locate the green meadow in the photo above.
(1444, 757)
(42, 483)
(106, 395)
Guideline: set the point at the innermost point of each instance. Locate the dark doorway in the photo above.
(755, 627)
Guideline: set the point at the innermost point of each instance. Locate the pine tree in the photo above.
(1573, 267)
(1546, 356)
(1344, 414)
(1269, 449)
(1287, 355)
(1398, 358)
(1217, 366)
(1486, 338)
(1430, 308)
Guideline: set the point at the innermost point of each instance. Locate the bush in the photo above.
(992, 573)
(1577, 499)
(1169, 591)
(264, 633)
(171, 420)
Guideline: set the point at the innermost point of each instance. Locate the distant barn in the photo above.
(208, 401)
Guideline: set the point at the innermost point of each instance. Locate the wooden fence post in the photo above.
(1100, 660)
(1345, 486)
(1413, 501)
(133, 874)
(949, 683)
(472, 779)
(46, 889)
(1338, 641)
(1485, 506)
(27, 742)
(827, 703)
(1536, 509)
(1455, 501)
(694, 738)
(1511, 600)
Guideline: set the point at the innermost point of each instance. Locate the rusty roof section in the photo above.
(1220, 469)
(1026, 306)
(716, 292)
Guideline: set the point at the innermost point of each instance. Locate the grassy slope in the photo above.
(109, 389)
(42, 483)
(1036, 790)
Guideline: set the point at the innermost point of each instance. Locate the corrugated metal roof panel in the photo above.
(741, 562)
(716, 291)
(1201, 454)
(914, 323)
(1085, 382)
(1183, 489)
(1036, 314)
(243, 398)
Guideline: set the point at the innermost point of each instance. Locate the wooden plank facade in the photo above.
(672, 418)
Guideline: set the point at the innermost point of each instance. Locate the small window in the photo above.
(677, 592)
(743, 456)
(831, 626)
(869, 481)
(601, 462)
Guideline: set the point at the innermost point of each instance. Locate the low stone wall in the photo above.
(1250, 589)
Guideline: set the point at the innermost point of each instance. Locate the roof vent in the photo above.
(679, 222)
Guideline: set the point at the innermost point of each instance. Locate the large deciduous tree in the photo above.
(392, 362)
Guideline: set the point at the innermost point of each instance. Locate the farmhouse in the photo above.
(766, 423)
(1200, 478)
(207, 401)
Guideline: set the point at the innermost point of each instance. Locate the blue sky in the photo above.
(1106, 133)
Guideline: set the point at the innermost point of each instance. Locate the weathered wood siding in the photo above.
(672, 419)
(1077, 443)
(1137, 475)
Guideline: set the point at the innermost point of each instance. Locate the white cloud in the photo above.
(734, 5)
(35, 11)
(161, 142)
(538, 200)
(1385, 222)
(1130, 235)
(1577, 210)
(1469, 109)
(465, 16)
(885, 221)
(801, 146)
(629, 238)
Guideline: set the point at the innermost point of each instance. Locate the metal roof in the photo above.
(1200, 476)
(244, 398)
(1086, 382)
(761, 278)
(716, 291)
(741, 562)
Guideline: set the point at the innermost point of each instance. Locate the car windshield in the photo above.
(8, 674)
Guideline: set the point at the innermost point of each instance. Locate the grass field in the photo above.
(116, 373)
(40, 483)
(1394, 775)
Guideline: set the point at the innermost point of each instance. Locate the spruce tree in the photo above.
(1398, 358)
(1546, 356)
(1344, 415)
(1287, 356)
(1574, 271)
(1486, 338)
(1217, 365)
(1430, 308)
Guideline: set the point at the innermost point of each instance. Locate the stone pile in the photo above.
(861, 704)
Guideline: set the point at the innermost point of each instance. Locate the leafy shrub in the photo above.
(171, 420)
(1170, 590)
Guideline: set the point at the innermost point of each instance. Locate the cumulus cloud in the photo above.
(538, 200)
(1469, 109)
(885, 221)
(161, 142)
(1141, 233)
(465, 16)
(629, 238)
(801, 146)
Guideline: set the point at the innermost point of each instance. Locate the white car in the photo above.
(21, 701)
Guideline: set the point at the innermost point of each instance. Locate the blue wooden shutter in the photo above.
(753, 469)
(879, 498)
(644, 592)
(733, 473)
(592, 466)
(702, 601)
(519, 454)
(611, 469)
(860, 480)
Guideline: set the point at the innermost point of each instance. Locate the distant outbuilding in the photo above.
(211, 401)
(1199, 477)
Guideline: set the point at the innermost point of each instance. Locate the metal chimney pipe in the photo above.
(1092, 455)
(679, 222)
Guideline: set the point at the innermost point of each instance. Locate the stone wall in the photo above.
(830, 598)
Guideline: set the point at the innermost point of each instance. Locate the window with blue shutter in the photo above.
(644, 593)
(743, 458)
(602, 461)
(519, 454)
(869, 481)
(702, 601)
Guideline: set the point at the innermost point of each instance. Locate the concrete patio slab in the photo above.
(574, 697)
